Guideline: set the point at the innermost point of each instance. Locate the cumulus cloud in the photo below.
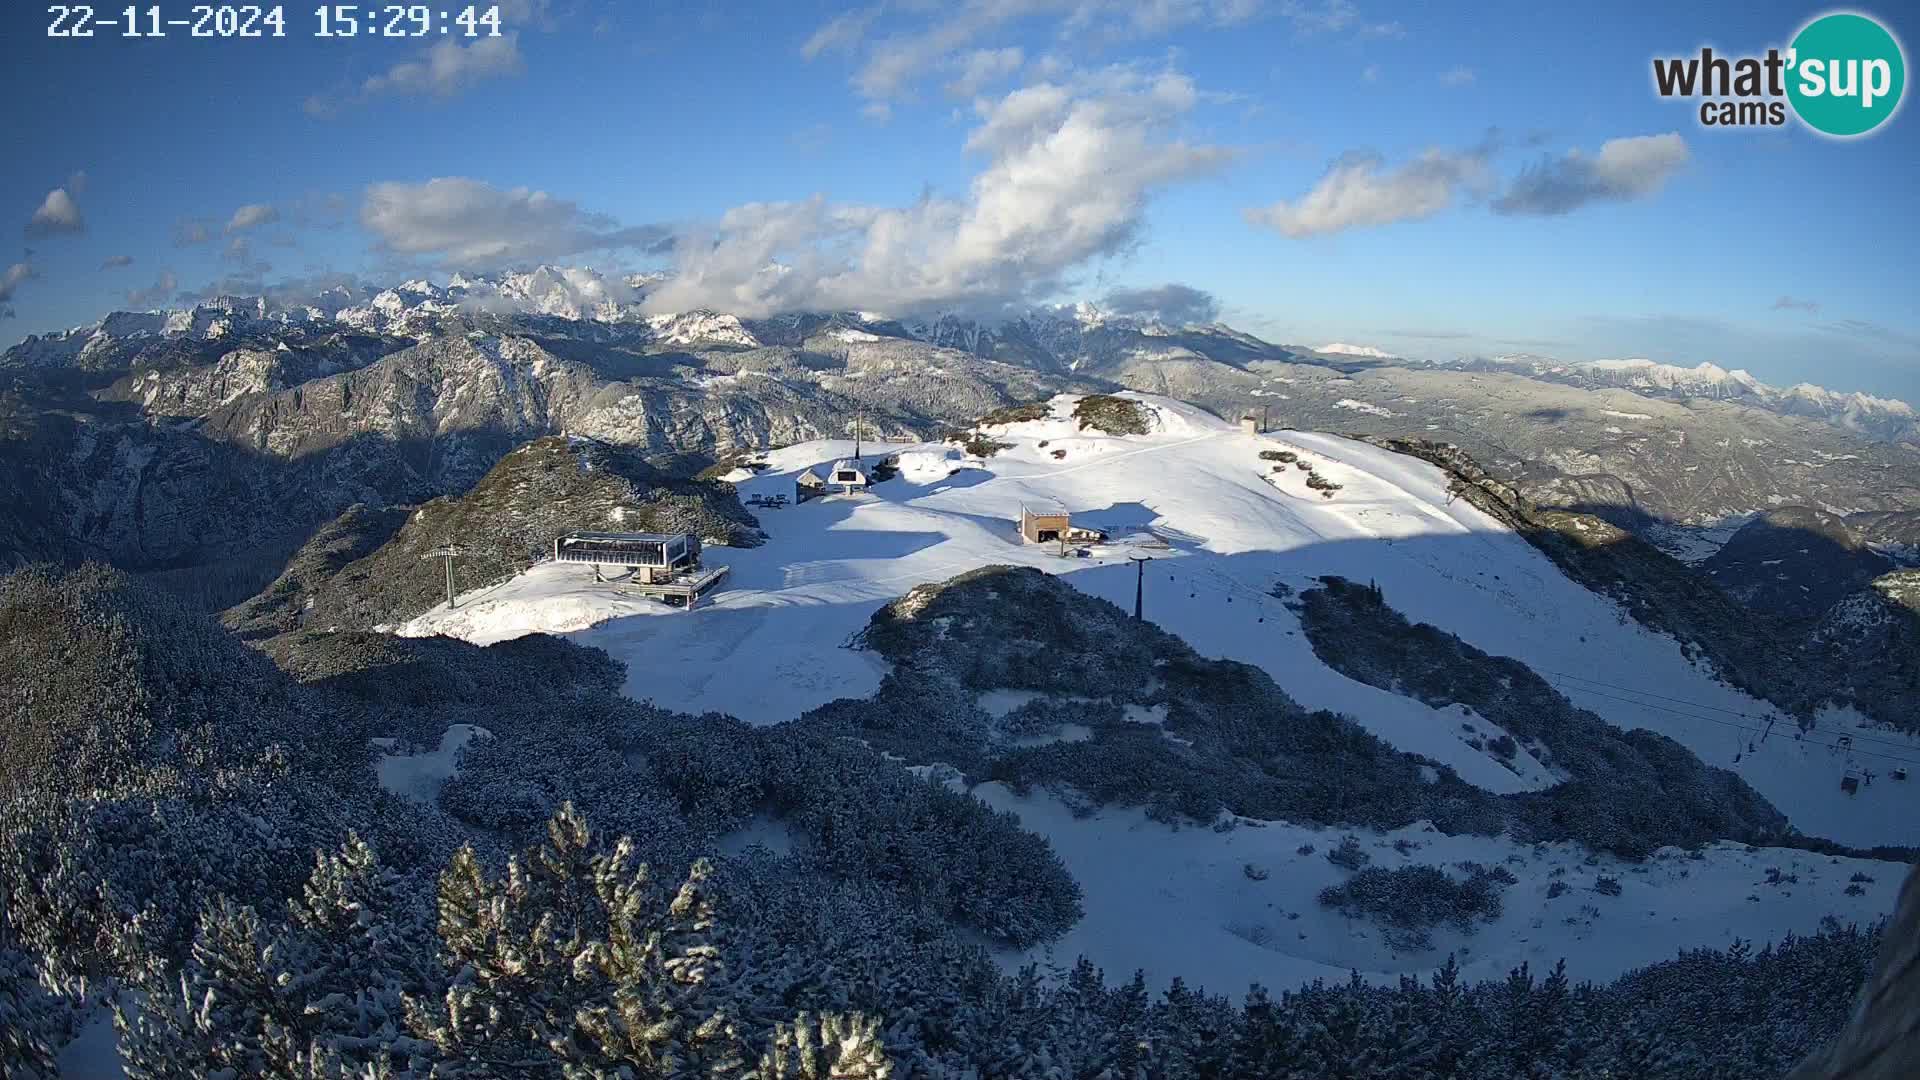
(982, 68)
(1170, 303)
(1624, 169)
(115, 262)
(1359, 191)
(1067, 175)
(460, 222)
(446, 69)
(252, 216)
(59, 215)
(155, 295)
(1459, 76)
(1789, 303)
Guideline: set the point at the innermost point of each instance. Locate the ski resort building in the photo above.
(808, 485)
(1044, 524)
(1050, 524)
(850, 475)
(665, 566)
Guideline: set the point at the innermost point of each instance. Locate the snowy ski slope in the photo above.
(767, 648)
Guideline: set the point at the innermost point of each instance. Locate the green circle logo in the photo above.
(1845, 74)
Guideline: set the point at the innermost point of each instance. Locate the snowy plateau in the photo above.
(1229, 538)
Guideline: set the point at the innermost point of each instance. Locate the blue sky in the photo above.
(1430, 179)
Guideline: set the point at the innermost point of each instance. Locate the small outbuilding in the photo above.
(1249, 424)
(850, 476)
(808, 485)
(1044, 524)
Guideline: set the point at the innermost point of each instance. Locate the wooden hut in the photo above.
(808, 485)
(1044, 524)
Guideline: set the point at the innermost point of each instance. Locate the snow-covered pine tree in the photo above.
(573, 966)
(317, 996)
(28, 1016)
(832, 1046)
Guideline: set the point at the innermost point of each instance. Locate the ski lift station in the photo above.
(850, 475)
(1049, 523)
(664, 566)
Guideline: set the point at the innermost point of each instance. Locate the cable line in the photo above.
(1896, 744)
(1834, 746)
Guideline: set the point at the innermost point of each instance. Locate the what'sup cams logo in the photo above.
(1843, 76)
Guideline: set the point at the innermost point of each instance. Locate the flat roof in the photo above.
(622, 538)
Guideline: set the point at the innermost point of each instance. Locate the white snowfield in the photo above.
(767, 648)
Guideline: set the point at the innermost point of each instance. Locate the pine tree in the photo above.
(833, 1047)
(27, 1014)
(573, 967)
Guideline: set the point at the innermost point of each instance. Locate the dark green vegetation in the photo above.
(980, 445)
(1411, 900)
(360, 570)
(1113, 415)
(1244, 746)
(1017, 414)
(1864, 651)
(211, 830)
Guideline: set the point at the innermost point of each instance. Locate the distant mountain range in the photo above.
(1887, 419)
(154, 438)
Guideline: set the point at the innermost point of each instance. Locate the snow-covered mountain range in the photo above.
(1876, 417)
(402, 393)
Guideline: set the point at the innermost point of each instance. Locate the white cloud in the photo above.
(115, 262)
(1326, 17)
(1181, 305)
(469, 223)
(1371, 73)
(1458, 76)
(1624, 169)
(58, 215)
(251, 216)
(1068, 173)
(1358, 191)
(958, 35)
(842, 33)
(444, 70)
(12, 277)
(1790, 303)
(982, 68)
(158, 294)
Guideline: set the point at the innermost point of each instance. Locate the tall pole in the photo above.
(447, 552)
(859, 421)
(1265, 410)
(1139, 585)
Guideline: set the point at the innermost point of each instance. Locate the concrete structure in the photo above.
(652, 556)
(851, 476)
(666, 566)
(1250, 424)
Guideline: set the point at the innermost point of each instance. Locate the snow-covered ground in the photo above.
(420, 776)
(768, 646)
(1142, 878)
